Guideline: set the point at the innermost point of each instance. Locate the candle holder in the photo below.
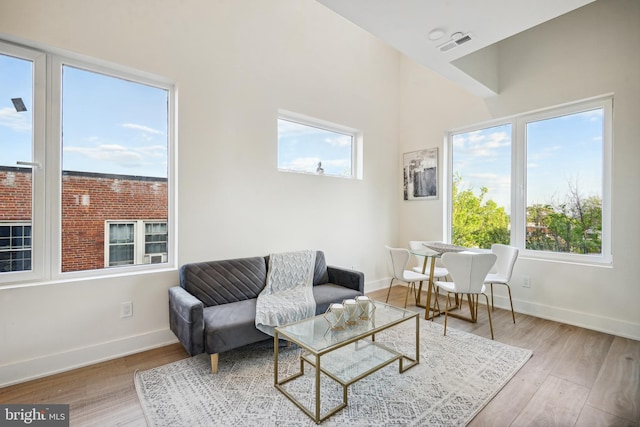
(335, 316)
(367, 307)
(352, 311)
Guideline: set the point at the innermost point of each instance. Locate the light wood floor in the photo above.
(576, 377)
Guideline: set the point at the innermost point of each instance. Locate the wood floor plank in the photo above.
(592, 417)
(558, 402)
(617, 388)
(584, 355)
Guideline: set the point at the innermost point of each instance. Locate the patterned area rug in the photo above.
(457, 376)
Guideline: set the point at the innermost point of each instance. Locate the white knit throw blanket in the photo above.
(288, 294)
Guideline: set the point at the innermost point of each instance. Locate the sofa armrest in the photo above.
(348, 278)
(186, 319)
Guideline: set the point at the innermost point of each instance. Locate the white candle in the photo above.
(338, 313)
(352, 309)
(363, 301)
(365, 306)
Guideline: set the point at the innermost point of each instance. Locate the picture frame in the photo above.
(420, 174)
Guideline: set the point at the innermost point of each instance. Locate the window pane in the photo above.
(121, 255)
(114, 160)
(121, 244)
(310, 149)
(481, 192)
(16, 185)
(564, 183)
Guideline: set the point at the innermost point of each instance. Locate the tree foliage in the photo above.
(571, 226)
(476, 222)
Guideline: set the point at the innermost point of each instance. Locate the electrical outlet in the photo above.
(526, 282)
(126, 309)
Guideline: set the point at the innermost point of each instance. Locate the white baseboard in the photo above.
(591, 321)
(26, 370)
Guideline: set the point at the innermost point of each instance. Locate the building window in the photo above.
(121, 244)
(553, 165)
(155, 242)
(312, 146)
(136, 242)
(101, 137)
(15, 247)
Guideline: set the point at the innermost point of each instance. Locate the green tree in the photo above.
(574, 226)
(476, 222)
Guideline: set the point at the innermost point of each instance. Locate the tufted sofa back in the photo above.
(223, 282)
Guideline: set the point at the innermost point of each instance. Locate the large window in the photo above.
(539, 181)
(307, 145)
(101, 137)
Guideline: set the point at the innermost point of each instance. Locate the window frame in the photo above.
(519, 175)
(355, 134)
(47, 166)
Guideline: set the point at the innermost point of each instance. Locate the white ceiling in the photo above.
(405, 25)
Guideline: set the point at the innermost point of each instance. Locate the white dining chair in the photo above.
(507, 256)
(397, 260)
(468, 271)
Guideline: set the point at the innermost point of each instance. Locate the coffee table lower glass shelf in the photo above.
(346, 356)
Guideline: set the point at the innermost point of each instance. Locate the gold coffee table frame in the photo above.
(346, 356)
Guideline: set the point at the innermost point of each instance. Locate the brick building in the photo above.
(107, 220)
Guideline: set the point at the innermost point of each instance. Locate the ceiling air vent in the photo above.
(455, 42)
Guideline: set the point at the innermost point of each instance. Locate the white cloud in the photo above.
(113, 153)
(303, 163)
(15, 121)
(339, 141)
(143, 128)
(481, 144)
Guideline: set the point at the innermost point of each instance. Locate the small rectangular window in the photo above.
(312, 146)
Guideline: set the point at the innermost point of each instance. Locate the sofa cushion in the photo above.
(330, 293)
(223, 282)
(230, 326)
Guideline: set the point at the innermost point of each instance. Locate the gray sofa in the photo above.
(213, 310)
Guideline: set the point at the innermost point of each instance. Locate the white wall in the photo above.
(588, 52)
(236, 62)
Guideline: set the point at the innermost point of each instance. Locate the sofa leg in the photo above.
(214, 363)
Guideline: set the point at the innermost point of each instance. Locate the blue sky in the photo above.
(110, 125)
(301, 147)
(561, 152)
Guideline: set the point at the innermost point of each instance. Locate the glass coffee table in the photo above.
(346, 355)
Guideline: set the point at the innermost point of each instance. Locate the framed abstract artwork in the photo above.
(420, 170)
